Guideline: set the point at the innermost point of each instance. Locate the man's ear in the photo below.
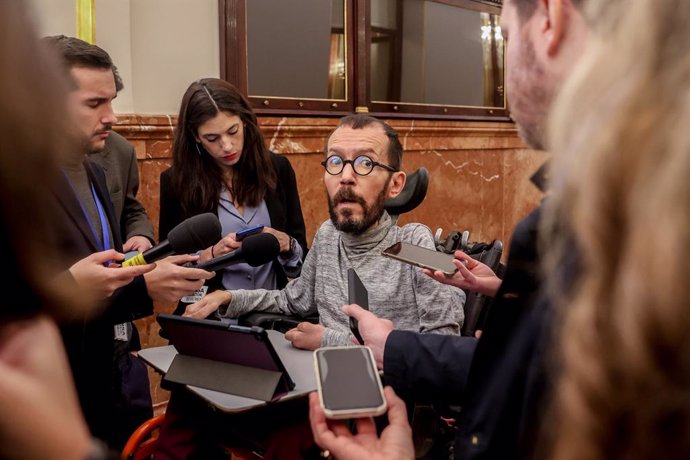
(396, 184)
(554, 25)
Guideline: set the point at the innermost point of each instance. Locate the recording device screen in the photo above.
(421, 257)
(349, 384)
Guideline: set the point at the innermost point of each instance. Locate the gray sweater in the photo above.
(397, 291)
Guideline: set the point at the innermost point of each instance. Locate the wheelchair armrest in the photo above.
(275, 321)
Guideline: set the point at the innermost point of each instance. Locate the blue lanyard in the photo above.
(104, 223)
(104, 242)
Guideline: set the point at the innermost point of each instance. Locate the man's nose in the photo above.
(348, 174)
(109, 117)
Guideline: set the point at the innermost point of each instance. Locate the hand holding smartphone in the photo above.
(356, 294)
(422, 257)
(242, 234)
(348, 382)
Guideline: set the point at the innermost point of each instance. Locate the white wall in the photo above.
(159, 46)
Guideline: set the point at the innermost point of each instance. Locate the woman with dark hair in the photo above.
(221, 165)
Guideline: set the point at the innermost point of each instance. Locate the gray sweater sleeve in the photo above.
(297, 298)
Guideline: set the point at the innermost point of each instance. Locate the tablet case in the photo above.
(224, 357)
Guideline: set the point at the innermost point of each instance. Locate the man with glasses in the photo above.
(362, 170)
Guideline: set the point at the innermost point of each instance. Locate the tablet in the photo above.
(226, 343)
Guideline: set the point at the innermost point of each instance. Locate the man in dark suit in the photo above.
(499, 380)
(86, 223)
(119, 162)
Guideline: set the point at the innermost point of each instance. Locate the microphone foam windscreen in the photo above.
(260, 249)
(196, 233)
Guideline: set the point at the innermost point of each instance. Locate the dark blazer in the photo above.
(499, 379)
(89, 341)
(119, 161)
(283, 205)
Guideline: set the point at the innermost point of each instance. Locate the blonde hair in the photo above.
(621, 191)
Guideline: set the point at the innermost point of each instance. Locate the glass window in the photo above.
(422, 58)
(425, 53)
(296, 49)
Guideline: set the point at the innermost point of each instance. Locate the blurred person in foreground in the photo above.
(40, 416)
(622, 194)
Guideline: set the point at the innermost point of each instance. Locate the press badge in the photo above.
(197, 296)
(123, 332)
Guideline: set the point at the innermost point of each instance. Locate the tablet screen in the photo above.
(221, 342)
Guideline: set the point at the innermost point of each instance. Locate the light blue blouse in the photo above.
(242, 275)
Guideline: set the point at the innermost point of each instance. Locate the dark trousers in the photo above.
(131, 399)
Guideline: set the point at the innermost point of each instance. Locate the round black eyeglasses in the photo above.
(362, 165)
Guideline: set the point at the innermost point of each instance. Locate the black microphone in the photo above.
(256, 250)
(191, 235)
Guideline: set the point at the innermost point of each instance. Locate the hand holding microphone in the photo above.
(98, 281)
(175, 278)
(193, 234)
(171, 280)
(255, 250)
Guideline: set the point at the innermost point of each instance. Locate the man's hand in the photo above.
(472, 275)
(208, 304)
(306, 335)
(137, 243)
(97, 281)
(395, 442)
(170, 281)
(374, 330)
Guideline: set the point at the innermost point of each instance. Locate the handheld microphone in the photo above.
(191, 235)
(255, 250)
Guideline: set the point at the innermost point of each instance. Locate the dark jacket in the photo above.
(283, 205)
(119, 162)
(89, 341)
(498, 380)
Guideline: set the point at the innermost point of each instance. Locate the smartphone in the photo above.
(242, 234)
(422, 257)
(348, 382)
(358, 294)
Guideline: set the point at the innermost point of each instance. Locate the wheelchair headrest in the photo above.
(412, 194)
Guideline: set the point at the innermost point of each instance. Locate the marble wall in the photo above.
(478, 176)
